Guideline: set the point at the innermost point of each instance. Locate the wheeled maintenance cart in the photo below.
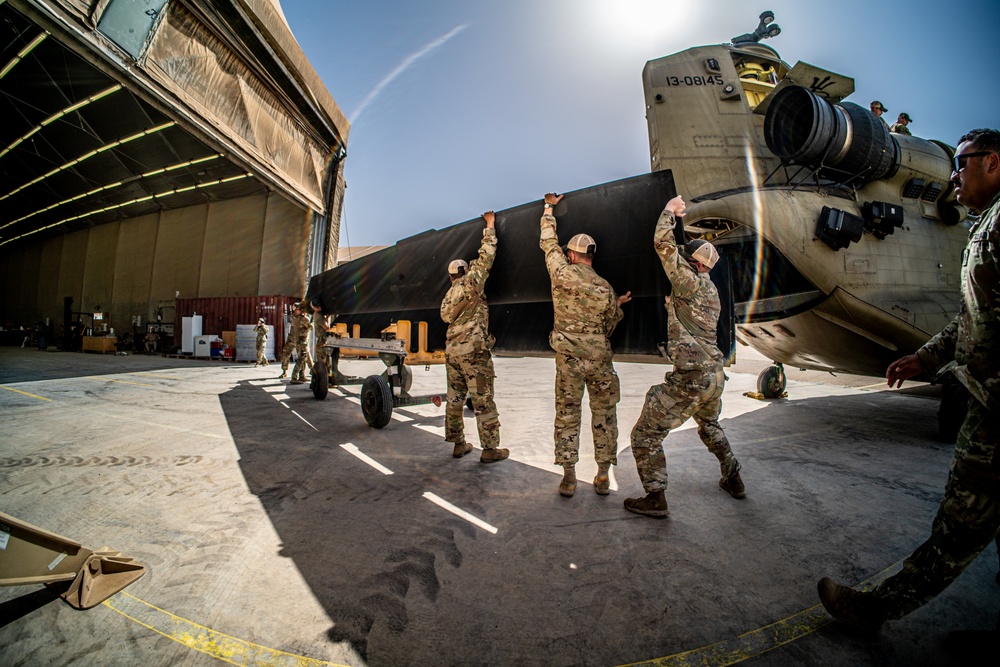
(380, 393)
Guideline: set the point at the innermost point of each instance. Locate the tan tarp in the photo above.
(204, 74)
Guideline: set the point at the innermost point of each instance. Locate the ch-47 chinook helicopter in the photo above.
(840, 242)
(844, 239)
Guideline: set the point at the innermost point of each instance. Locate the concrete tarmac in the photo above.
(281, 529)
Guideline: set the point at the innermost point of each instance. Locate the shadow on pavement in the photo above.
(841, 486)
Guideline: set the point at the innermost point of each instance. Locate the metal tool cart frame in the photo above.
(379, 393)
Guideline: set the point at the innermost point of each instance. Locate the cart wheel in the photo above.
(771, 381)
(406, 379)
(320, 384)
(376, 401)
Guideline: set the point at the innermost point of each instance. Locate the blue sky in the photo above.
(459, 106)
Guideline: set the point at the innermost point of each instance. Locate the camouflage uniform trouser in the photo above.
(261, 354)
(683, 394)
(301, 349)
(322, 357)
(573, 374)
(967, 521)
(472, 374)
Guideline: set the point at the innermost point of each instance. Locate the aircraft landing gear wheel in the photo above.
(376, 401)
(320, 384)
(771, 381)
(954, 406)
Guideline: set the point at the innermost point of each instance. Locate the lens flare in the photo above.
(758, 226)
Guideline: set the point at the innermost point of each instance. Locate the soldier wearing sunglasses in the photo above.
(969, 516)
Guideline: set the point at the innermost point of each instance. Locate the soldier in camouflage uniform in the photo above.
(321, 327)
(899, 127)
(878, 109)
(694, 387)
(467, 351)
(969, 516)
(298, 338)
(261, 330)
(586, 312)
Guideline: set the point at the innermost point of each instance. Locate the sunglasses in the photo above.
(958, 162)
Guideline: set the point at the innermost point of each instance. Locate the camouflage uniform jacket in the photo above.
(320, 324)
(899, 128)
(299, 330)
(971, 342)
(464, 307)
(694, 307)
(585, 305)
(261, 331)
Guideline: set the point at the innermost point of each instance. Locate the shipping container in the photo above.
(224, 313)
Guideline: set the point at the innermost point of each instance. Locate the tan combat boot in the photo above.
(602, 483)
(654, 504)
(567, 487)
(461, 449)
(493, 455)
(733, 485)
(859, 609)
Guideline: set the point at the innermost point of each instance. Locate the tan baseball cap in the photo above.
(582, 243)
(703, 251)
(458, 266)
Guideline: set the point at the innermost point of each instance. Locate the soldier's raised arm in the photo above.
(549, 241)
(479, 269)
(665, 243)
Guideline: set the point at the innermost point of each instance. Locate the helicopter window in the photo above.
(761, 283)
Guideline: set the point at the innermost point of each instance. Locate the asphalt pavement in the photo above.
(282, 529)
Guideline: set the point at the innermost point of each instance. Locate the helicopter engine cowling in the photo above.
(844, 142)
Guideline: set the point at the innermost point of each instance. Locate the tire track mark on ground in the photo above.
(106, 461)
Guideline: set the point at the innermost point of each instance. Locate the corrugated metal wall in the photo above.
(236, 247)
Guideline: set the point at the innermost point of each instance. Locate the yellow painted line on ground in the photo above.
(760, 641)
(18, 391)
(198, 637)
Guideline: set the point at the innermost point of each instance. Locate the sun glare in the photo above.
(643, 21)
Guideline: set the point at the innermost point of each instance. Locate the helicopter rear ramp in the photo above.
(408, 280)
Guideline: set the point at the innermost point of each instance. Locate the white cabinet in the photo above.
(190, 327)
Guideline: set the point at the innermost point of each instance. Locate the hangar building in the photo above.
(152, 149)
